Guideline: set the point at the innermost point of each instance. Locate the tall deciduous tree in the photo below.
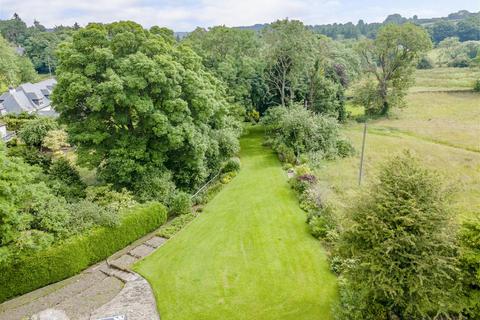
(391, 59)
(136, 106)
(233, 56)
(288, 51)
(14, 69)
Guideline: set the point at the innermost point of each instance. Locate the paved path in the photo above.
(105, 289)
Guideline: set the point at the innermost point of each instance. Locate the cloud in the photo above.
(185, 15)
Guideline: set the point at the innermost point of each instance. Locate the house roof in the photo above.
(28, 97)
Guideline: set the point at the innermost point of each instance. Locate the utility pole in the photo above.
(360, 174)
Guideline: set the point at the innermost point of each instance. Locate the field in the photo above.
(441, 128)
(445, 79)
(249, 255)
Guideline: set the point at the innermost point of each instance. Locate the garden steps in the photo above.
(104, 289)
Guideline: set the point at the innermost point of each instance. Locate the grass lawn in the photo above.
(248, 256)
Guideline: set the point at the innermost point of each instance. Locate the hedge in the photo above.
(77, 253)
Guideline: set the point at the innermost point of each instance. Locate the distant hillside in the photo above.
(350, 30)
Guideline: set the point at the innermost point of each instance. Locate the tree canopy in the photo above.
(137, 106)
(391, 59)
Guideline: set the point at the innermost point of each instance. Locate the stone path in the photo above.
(104, 290)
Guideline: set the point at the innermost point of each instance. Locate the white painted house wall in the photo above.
(3, 130)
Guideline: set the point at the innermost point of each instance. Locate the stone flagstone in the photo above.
(155, 242)
(141, 251)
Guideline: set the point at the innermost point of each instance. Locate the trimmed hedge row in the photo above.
(78, 252)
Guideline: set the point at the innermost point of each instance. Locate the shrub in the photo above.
(296, 130)
(85, 214)
(321, 222)
(55, 140)
(31, 155)
(175, 225)
(425, 63)
(400, 241)
(469, 236)
(75, 254)
(65, 180)
(110, 199)
(227, 177)
(345, 148)
(34, 131)
(154, 185)
(460, 62)
(180, 203)
(233, 164)
(302, 170)
(476, 86)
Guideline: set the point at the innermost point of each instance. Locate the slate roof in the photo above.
(28, 97)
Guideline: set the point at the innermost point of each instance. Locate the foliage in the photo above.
(321, 222)
(390, 59)
(399, 249)
(425, 63)
(179, 203)
(26, 203)
(31, 155)
(470, 265)
(65, 259)
(64, 180)
(176, 224)
(33, 132)
(135, 104)
(454, 53)
(55, 140)
(232, 164)
(476, 86)
(86, 214)
(233, 56)
(287, 48)
(299, 131)
(15, 122)
(154, 185)
(113, 200)
(227, 177)
(14, 69)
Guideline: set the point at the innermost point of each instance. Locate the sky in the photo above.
(185, 15)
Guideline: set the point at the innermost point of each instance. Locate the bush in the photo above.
(75, 254)
(295, 131)
(476, 86)
(233, 164)
(110, 199)
(85, 215)
(400, 241)
(425, 63)
(469, 236)
(460, 62)
(345, 148)
(65, 180)
(154, 185)
(177, 223)
(179, 204)
(34, 131)
(31, 155)
(321, 222)
(227, 177)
